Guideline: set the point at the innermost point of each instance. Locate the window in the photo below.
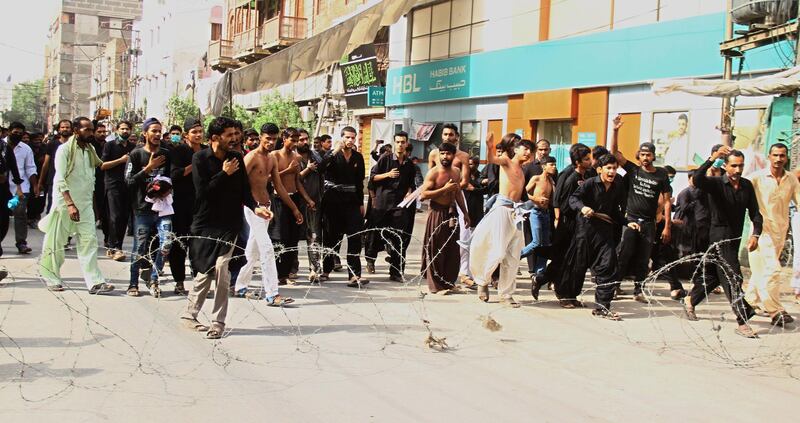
(216, 32)
(445, 29)
(471, 138)
(67, 18)
(559, 133)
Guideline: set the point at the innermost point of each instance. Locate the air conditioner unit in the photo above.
(763, 13)
(307, 113)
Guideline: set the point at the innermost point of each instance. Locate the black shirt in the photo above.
(564, 189)
(569, 170)
(138, 179)
(8, 162)
(340, 171)
(391, 191)
(728, 204)
(491, 172)
(220, 196)
(50, 150)
(474, 199)
(592, 193)
(644, 190)
(182, 185)
(113, 150)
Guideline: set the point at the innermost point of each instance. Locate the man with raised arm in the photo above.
(730, 196)
(498, 239)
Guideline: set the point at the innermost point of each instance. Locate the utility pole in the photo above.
(727, 73)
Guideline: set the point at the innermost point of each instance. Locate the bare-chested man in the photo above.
(440, 251)
(262, 169)
(283, 229)
(460, 161)
(540, 191)
(498, 239)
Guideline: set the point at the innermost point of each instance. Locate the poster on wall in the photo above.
(471, 138)
(671, 136)
(422, 131)
(750, 130)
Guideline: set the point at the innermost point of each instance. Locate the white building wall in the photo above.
(174, 37)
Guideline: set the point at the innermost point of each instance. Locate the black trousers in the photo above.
(729, 276)
(119, 214)
(526, 232)
(394, 237)
(634, 251)
(664, 254)
(181, 225)
(5, 213)
(562, 238)
(593, 247)
(341, 220)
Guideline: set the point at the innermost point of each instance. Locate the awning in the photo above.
(778, 83)
(311, 55)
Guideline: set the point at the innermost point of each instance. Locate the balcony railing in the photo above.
(220, 54)
(246, 43)
(282, 31)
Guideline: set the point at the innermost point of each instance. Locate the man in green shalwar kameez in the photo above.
(72, 212)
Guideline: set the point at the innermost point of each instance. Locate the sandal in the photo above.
(566, 304)
(510, 301)
(101, 288)
(469, 283)
(610, 315)
(133, 291)
(194, 325)
(279, 301)
(746, 332)
(55, 288)
(357, 282)
(179, 289)
(214, 334)
(483, 293)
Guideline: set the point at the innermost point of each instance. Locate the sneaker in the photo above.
(24, 249)
(118, 256)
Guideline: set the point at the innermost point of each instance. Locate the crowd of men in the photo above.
(228, 198)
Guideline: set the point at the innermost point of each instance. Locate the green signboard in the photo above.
(444, 80)
(376, 96)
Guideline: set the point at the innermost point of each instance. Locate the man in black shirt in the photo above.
(565, 218)
(343, 205)
(115, 156)
(729, 197)
(8, 170)
(222, 188)
(147, 170)
(393, 177)
(646, 185)
(46, 178)
(100, 209)
(184, 197)
(598, 205)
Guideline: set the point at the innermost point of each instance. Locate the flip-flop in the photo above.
(133, 291)
(279, 301)
(510, 301)
(55, 288)
(214, 334)
(748, 333)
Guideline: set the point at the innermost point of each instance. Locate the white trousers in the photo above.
(259, 246)
(796, 258)
(764, 286)
(496, 241)
(463, 239)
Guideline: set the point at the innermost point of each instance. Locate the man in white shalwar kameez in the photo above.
(498, 238)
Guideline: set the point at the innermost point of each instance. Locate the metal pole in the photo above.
(727, 73)
(230, 93)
